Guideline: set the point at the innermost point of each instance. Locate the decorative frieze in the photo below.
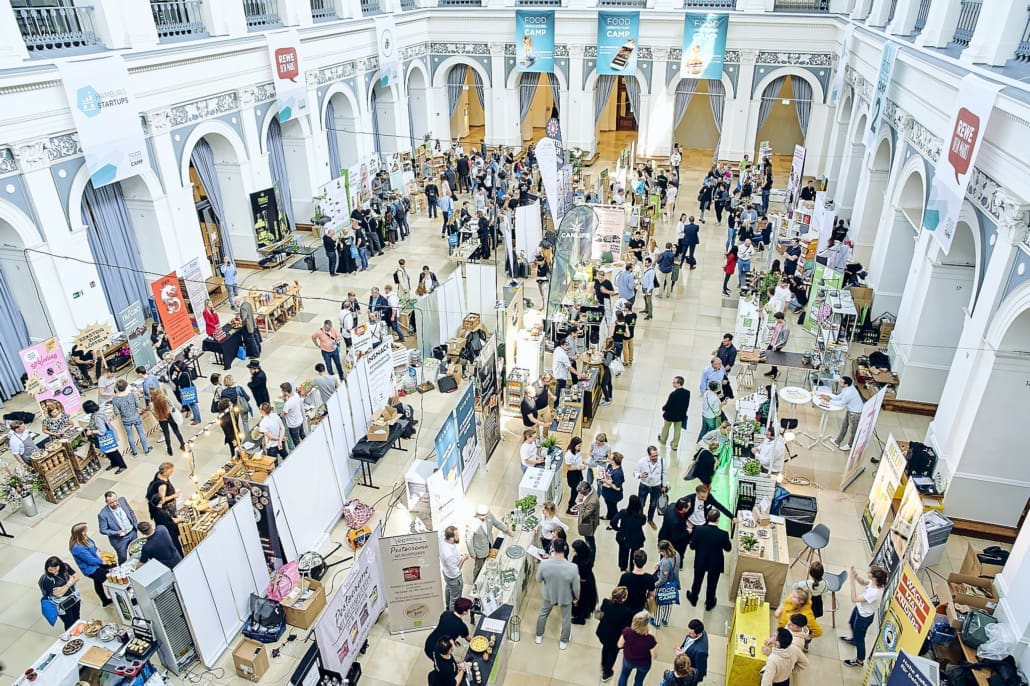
(158, 122)
(1014, 217)
(561, 51)
(645, 54)
(205, 108)
(675, 54)
(509, 50)
(731, 56)
(416, 50)
(31, 155)
(924, 140)
(462, 48)
(590, 52)
(986, 193)
(344, 70)
(62, 147)
(7, 163)
(264, 92)
(800, 59)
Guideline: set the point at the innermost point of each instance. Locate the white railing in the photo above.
(177, 19)
(48, 29)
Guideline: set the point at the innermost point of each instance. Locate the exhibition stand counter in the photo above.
(767, 553)
(744, 657)
(505, 578)
(94, 661)
(490, 666)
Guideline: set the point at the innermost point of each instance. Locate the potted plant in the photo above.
(748, 543)
(18, 487)
(752, 467)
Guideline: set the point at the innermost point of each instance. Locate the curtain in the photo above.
(113, 244)
(411, 125)
(335, 161)
(477, 84)
(527, 89)
(684, 93)
(555, 91)
(203, 160)
(455, 85)
(602, 94)
(633, 92)
(717, 99)
(802, 101)
(769, 99)
(277, 166)
(14, 336)
(375, 126)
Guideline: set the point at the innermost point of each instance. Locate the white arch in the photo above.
(858, 128)
(562, 83)
(78, 188)
(884, 134)
(445, 67)
(305, 127)
(645, 88)
(205, 128)
(845, 110)
(417, 65)
(818, 94)
(343, 89)
(915, 165)
(1009, 310)
(17, 219)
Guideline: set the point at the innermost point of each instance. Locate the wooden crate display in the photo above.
(85, 460)
(192, 532)
(752, 586)
(56, 473)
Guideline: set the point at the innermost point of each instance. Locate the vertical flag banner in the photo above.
(290, 91)
(49, 379)
(534, 41)
(618, 35)
(448, 458)
(106, 118)
(133, 323)
(883, 81)
(468, 439)
(171, 309)
(972, 110)
(704, 45)
(386, 44)
(842, 62)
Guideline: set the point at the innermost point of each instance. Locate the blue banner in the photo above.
(468, 441)
(534, 41)
(618, 34)
(704, 45)
(448, 459)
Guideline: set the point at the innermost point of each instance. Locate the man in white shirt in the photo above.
(451, 560)
(272, 428)
(395, 311)
(652, 472)
(401, 278)
(561, 367)
(293, 413)
(852, 402)
(348, 320)
(21, 442)
(771, 453)
(647, 283)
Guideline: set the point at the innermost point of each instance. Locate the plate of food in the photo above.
(73, 646)
(515, 552)
(479, 643)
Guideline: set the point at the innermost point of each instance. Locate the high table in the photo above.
(772, 559)
(491, 671)
(788, 361)
(795, 397)
(224, 350)
(505, 579)
(821, 400)
(545, 481)
(744, 657)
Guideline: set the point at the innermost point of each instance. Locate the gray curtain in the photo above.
(802, 101)
(633, 91)
(717, 99)
(113, 244)
(684, 93)
(203, 160)
(375, 126)
(411, 124)
(477, 84)
(14, 336)
(769, 97)
(335, 161)
(602, 94)
(277, 166)
(455, 85)
(527, 89)
(555, 91)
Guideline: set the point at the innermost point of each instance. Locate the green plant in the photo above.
(752, 468)
(748, 542)
(17, 482)
(526, 504)
(549, 442)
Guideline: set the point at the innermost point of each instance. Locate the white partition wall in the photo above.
(481, 291)
(341, 434)
(450, 298)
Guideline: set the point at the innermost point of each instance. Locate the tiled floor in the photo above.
(679, 340)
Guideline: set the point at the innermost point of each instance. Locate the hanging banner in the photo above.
(903, 626)
(353, 610)
(196, 289)
(823, 279)
(171, 309)
(797, 172)
(448, 458)
(49, 379)
(883, 81)
(380, 377)
(837, 90)
(106, 118)
(548, 157)
(389, 58)
(972, 111)
(704, 45)
(134, 325)
(534, 41)
(885, 485)
(270, 225)
(618, 34)
(411, 579)
(822, 221)
(260, 494)
(291, 91)
(468, 440)
(853, 467)
(489, 398)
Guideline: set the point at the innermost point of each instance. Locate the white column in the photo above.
(904, 22)
(940, 24)
(998, 32)
(861, 9)
(820, 121)
(661, 105)
(125, 24)
(295, 12)
(225, 18)
(581, 105)
(318, 145)
(879, 12)
(12, 45)
(504, 102)
(740, 115)
(1014, 605)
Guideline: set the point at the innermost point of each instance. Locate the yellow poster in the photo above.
(904, 625)
(886, 482)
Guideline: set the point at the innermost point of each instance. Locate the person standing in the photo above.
(102, 433)
(162, 517)
(446, 204)
(727, 354)
(626, 284)
(393, 312)
(561, 368)
(118, 522)
(867, 602)
(574, 467)
(674, 412)
(629, 318)
(549, 526)
(479, 536)
(647, 285)
(163, 415)
(771, 453)
(744, 255)
(674, 528)
(21, 443)
(273, 431)
(402, 280)
(711, 409)
(612, 484)
(126, 406)
(59, 583)
(652, 472)
(329, 245)
(251, 340)
(638, 583)
(628, 524)
(665, 261)
(615, 616)
(161, 485)
(229, 273)
(778, 341)
(325, 382)
(587, 513)
(159, 545)
(792, 257)
(258, 383)
(708, 542)
(691, 239)
(561, 587)
(293, 413)
(667, 571)
(211, 322)
(695, 646)
(785, 659)
(852, 402)
(713, 372)
(432, 197)
(728, 267)
(87, 557)
(583, 558)
(452, 625)
(704, 198)
(451, 561)
(327, 340)
(639, 649)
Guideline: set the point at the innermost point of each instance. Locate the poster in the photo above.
(380, 377)
(822, 220)
(797, 173)
(704, 44)
(448, 459)
(618, 35)
(885, 484)
(823, 279)
(49, 379)
(261, 498)
(919, 543)
(534, 41)
(853, 466)
(883, 81)
(837, 89)
(196, 289)
(468, 440)
(903, 626)
(907, 673)
(389, 58)
(291, 91)
(489, 398)
(909, 511)
(334, 201)
(133, 324)
(412, 580)
(353, 610)
(106, 118)
(444, 498)
(551, 160)
(970, 115)
(171, 310)
(270, 224)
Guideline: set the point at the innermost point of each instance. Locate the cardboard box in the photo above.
(954, 618)
(862, 296)
(250, 659)
(378, 433)
(971, 566)
(955, 587)
(303, 615)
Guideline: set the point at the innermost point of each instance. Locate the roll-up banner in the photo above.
(411, 578)
(883, 82)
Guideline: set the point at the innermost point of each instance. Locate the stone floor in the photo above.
(680, 339)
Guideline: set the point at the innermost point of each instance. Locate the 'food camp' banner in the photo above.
(106, 118)
(49, 379)
(534, 41)
(171, 309)
(618, 34)
(290, 90)
(704, 45)
(411, 577)
(968, 121)
(883, 81)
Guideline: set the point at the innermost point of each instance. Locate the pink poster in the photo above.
(49, 378)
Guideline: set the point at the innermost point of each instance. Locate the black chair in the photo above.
(787, 427)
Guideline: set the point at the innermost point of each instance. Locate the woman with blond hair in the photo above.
(639, 649)
(799, 602)
(163, 414)
(86, 555)
(599, 452)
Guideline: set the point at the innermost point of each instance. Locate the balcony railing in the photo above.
(622, 3)
(967, 18)
(407, 5)
(50, 29)
(802, 5)
(460, 3)
(894, 10)
(538, 3)
(922, 14)
(322, 10)
(261, 14)
(710, 4)
(370, 8)
(1023, 50)
(178, 19)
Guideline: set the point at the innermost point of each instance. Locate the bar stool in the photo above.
(788, 426)
(834, 583)
(815, 540)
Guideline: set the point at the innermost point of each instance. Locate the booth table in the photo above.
(744, 657)
(369, 452)
(788, 361)
(545, 484)
(506, 579)
(64, 670)
(826, 408)
(224, 350)
(493, 670)
(772, 559)
(568, 422)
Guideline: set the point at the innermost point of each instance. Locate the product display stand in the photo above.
(744, 657)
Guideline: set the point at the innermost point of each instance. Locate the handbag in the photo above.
(241, 353)
(283, 582)
(974, 628)
(107, 441)
(668, 593)
(617, 366)
(49, 608)
(663, 495)
(189, 395)
(692, 467)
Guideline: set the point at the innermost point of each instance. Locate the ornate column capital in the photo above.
(247, 97)
(31, 155)
(1014, 216)
(576, 51)
(497, 49)
(748, 56)
(660, 54)
(159, 122)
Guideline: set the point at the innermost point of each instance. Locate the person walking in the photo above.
(126, 406)
(327, 339)
(587, 513)
(667, 572)
(451, 561)
(708, 542)
(612, 484)
(628, 525)
(674, 412)
(711, 409)
(691, 239)
(653, 475)
(867, 602)
(639, 649)
(583, 558)
(560, 587)
(728, 267)
(182, 378)
(615, 616)
(165, 418)
(852, 402)
(87, 557)
(101, 432)
(695, 647)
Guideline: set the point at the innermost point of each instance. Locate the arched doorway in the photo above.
(342, 124)
(783, 113)
(386, 138)
(872, 189)
(893, 251)
(22, 286)
(539, 98)
(697, 116)
(286, 144)
(418, 106)
(466, 105)
(213, 167)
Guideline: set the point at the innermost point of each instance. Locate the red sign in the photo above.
(171, 308)
(963, 142)
(286, 65)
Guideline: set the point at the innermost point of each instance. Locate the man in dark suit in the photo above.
(689, 242)
(118, 522)
(708, 542)
(695, 646)
(159, 545)
(674, 527)
(674, 411)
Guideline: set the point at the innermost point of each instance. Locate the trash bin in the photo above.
(800, 512)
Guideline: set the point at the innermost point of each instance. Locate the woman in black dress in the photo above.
(228, 428)
(583, 558)
(344, 241)
(629, 531)
(161, 517)
(161, 486)
(615, 616)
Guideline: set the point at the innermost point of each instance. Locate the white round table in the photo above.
(820, 399)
